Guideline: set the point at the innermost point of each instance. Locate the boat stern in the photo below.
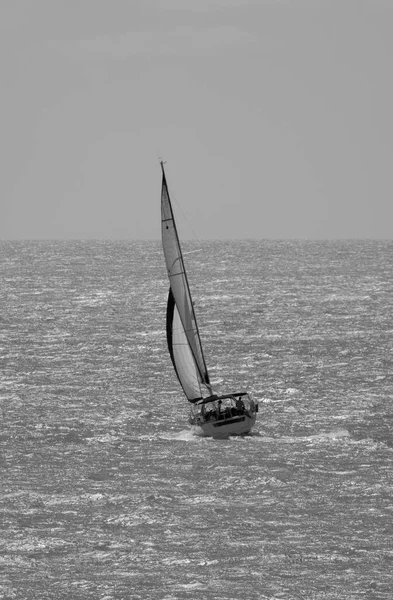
(223, 416)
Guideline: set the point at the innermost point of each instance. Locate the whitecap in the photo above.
(338, 433)
(193, 586)
(291, 391)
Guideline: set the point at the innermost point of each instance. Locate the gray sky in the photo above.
(274, 116)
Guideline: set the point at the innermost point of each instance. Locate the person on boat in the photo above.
(239, 404)
(218, 411)
(229, 410)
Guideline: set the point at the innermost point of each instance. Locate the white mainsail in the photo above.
(182, 331)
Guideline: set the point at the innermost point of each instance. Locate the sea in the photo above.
(104, 492)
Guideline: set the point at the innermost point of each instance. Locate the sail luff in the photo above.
(179, 282)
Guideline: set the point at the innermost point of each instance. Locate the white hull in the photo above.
(239, 425)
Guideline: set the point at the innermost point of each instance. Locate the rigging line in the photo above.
(179, 208)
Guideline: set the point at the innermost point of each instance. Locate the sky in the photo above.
(274, 118)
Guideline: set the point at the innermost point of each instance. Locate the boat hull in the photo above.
(222, 429)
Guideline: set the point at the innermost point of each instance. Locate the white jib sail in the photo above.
(180, 352)
(179, 284)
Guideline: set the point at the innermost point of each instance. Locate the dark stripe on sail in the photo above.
(169, 320)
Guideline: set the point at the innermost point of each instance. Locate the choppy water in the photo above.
(104, 492)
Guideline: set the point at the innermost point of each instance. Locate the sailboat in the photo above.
(211, 415)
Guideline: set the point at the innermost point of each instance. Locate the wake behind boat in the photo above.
(212, 414)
